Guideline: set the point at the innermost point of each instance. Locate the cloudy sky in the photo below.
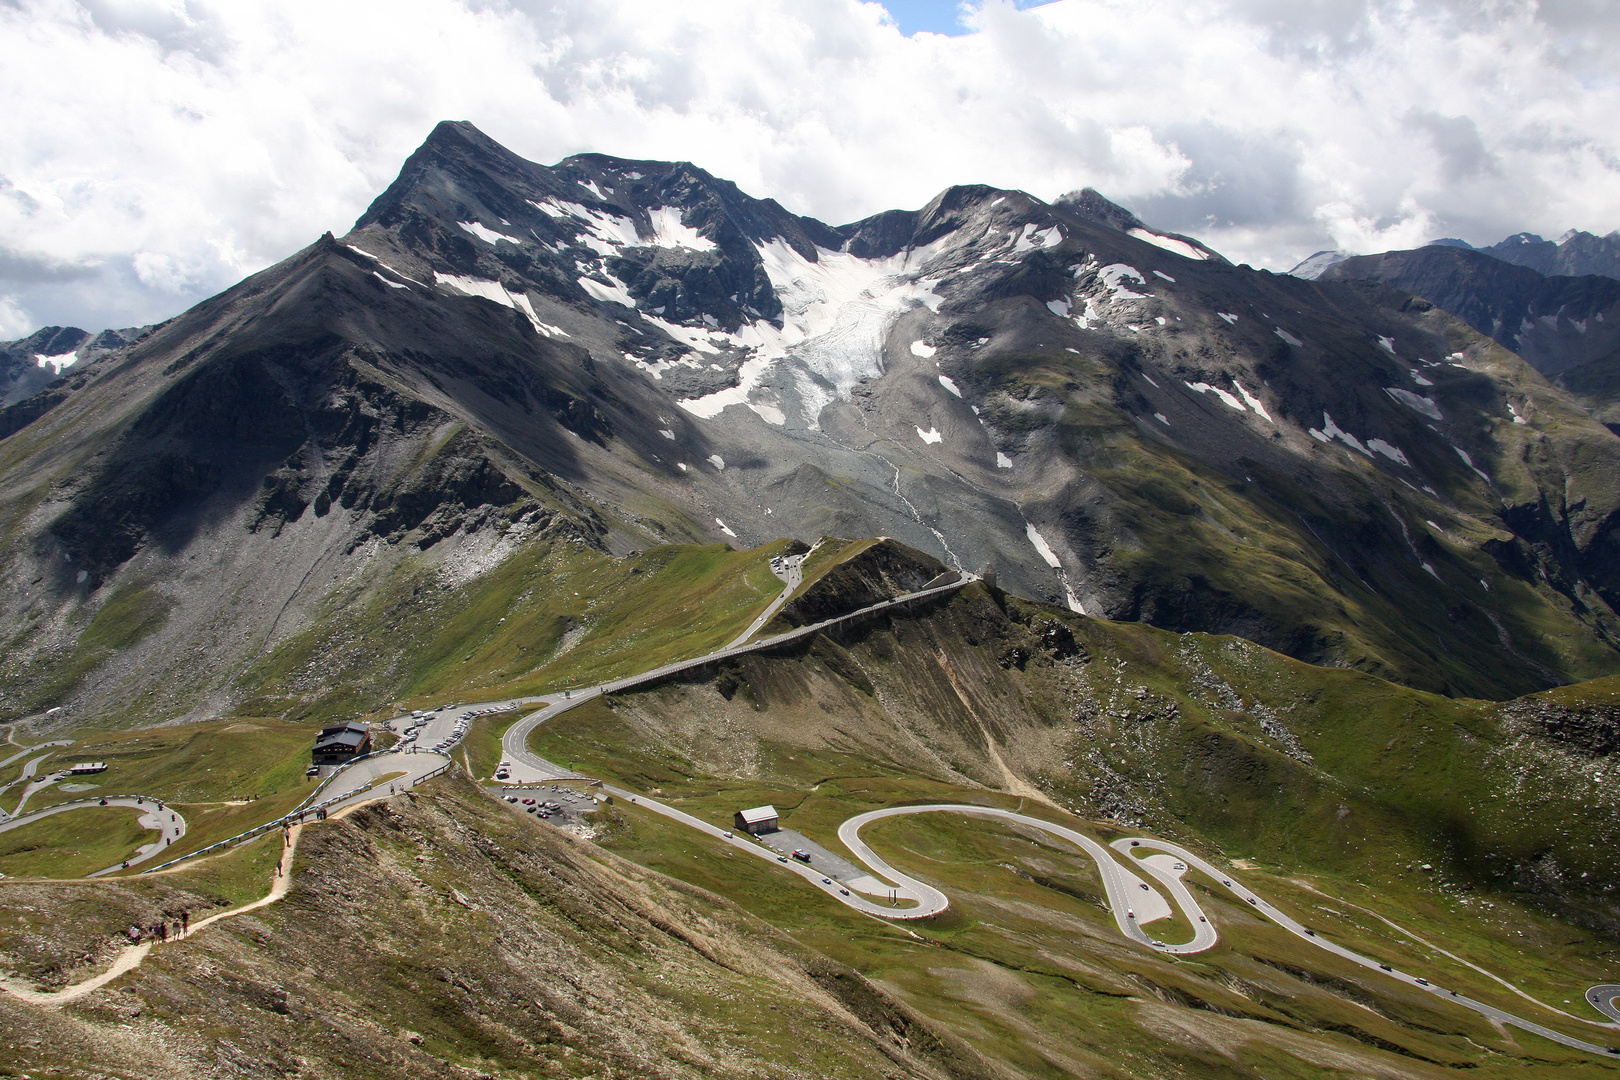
(157, 150)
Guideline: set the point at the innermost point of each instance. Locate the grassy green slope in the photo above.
(555, 613)
(1313, 778)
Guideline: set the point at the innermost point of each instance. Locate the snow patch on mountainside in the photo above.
(1042, 547)
(1045, 551)
(58, 362)
(1254, 403)
(494, 290)
(1033, 239)
(925, 351)
(1227, 398)
(385, 266)
(1379, 446)
(949, 384)
(1168, 243)
(616, 293)
(670, 231)
(1331, 431)
(1470, 463)
(488, 236)
(1424, 405)
(605, 233)
(836, 311)
(932, 435)
(1114, 274)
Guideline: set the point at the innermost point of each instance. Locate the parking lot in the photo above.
(555, 803)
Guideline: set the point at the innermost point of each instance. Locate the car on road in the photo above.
(1423, 982)
(781, 858)
(1385, 967)
(1144, 886)
(826, 881)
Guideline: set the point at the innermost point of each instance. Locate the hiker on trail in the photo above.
(134, 933)
(163, 931)
(185, 920)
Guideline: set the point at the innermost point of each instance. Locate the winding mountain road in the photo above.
(164, 821)
(1132, 901)
(515, 743)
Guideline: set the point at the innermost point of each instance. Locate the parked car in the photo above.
(801, 855)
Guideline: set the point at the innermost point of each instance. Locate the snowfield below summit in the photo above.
(836, 311)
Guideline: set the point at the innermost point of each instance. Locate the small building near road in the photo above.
(341, 742)
(761, 819)
(85, 768)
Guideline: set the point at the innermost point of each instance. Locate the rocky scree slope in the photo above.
(1105, 416)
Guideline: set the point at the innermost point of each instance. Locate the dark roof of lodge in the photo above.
(348, 739)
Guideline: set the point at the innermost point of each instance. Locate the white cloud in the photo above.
(161, 149)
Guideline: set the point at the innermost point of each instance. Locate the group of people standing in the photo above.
(160, 930)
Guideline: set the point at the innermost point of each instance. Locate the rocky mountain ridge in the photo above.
(633, 352)
(1567, 327)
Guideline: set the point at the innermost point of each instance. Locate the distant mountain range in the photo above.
(1552, 303)
(30, 364)
(625, 353)
(1574, 254)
